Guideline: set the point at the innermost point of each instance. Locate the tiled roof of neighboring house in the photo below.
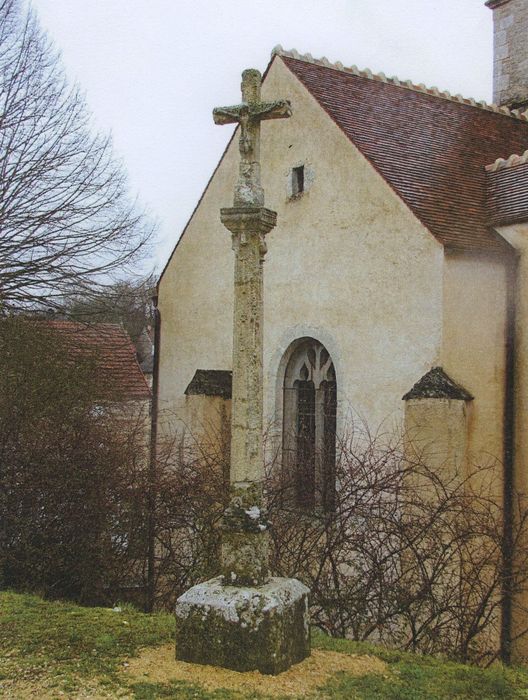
(431, 148)
(114, 354)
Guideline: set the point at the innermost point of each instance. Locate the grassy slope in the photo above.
(67, 646)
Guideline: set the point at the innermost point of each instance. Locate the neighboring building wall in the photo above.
(510, 74)
(517, 235)
(347, 264)
(474, 347)
(135, 414)
(474, 355)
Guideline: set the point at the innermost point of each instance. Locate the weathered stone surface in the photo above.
(245, 558)
(436, 384)
(245, 538)
(510, 78)
(265, 625)
(264, 628)
(249, 114)
(210, 382)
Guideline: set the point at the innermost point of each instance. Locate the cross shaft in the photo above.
(245, 537)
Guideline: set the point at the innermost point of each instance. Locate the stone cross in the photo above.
(249, 114)
(245, 540)
(244, 619)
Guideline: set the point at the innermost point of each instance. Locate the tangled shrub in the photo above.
(72, 471)
(407, 556)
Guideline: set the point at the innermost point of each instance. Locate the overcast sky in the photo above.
(152, 70)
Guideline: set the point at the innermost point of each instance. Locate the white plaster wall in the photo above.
(517, 235)
(347, 264)
(473, 352)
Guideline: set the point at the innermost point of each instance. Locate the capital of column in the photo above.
(256, 220)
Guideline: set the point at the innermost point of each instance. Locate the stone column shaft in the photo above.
(246, 440)
(245, 540)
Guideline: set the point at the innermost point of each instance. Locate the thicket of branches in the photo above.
(127, 302)
(66, 217)
(73, 472)
(409, 557)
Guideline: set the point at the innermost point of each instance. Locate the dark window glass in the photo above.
(309, 426)
(297, 180)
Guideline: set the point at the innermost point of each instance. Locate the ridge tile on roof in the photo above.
(510, 162)
(418, 87)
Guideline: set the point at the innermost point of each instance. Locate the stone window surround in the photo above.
(309, 363)
(308, 180)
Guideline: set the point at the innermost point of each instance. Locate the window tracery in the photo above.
(309, 425)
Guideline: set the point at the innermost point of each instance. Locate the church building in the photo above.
(395, 280)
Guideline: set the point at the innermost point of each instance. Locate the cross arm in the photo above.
(228, 115)
(281, 109)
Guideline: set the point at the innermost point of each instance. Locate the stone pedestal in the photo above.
(263, 628)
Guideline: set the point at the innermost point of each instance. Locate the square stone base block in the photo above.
(264, 628)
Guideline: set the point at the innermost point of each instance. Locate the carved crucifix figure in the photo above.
(249, 114)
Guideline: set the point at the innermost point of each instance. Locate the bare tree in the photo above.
(65, 212)
(127, 301)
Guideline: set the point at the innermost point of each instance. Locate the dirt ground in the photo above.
(158, 665)
(45, 690)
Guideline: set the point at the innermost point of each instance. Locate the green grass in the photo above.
(70, 642)
(68, 646)
(415, 677)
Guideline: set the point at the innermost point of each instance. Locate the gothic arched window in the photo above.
(309, 424)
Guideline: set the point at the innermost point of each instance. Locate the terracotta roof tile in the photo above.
(114, 353)
(432, 149)
(507, 190)
(510, 162)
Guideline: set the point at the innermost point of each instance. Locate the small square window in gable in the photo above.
(297, 181)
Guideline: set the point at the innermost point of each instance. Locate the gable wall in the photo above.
(195, 296)
(347, 263)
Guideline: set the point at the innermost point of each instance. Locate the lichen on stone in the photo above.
(244, 628)
(436, 384)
